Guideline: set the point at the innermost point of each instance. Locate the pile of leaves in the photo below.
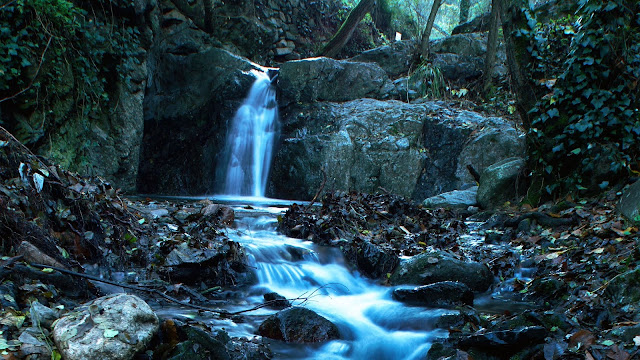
(388, 221)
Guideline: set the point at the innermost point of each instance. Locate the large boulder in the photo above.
(414, 150)
(325, 79)
(432, 267)
(498, 182)
(370, 259)
(361, 145)
(440, 294)
(298, 325)
(395, 58)
(111, 327)
(629, 204)
(456, 199)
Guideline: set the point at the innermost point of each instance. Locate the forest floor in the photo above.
(581, 256)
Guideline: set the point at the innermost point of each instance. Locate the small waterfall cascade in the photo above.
(251, 139)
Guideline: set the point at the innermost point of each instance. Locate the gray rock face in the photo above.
(324, 79)
(429, 268)
(395, 59)
(362, 145)
(456, 199)
(298, 325)
(474, 44)
(111, 327)
(629, 204)
(440, 294)
(415, 150)
(498, 182)
(625, 289)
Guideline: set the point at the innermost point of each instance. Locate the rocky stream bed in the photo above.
(88, 273)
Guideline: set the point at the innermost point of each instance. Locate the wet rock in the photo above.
(371, 260)
(276, 301)
(440, 294)
(432, 267)
(111, 327)
(456, 199)
(298, 325)
(624, 289)
(629, 204)
(507, 341)
(395, 58)
(198, 344)
(498, 182)
(324, 79)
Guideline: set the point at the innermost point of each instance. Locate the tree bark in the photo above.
(464, 11)
(340, 39)
(518, 57)
(492, 45)
(208, 15)
(424, 42)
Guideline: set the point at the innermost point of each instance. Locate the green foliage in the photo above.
(429, 80)
(57, 62)
(586, 129)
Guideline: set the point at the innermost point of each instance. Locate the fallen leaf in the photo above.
(582, 339)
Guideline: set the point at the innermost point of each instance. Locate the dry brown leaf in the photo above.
(582, 339)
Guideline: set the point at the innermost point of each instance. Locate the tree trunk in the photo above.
(464, 11)
(518, 57)
(424, 43)
(492, 45)
(208, 15)
(340, 39)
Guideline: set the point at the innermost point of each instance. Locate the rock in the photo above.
(365, 144)
(42, 316)
(198, 344)
(505, 341)
(458, 68)
(371, 260)
(298, 325)
(34, 344)
(432, 267)
(477, 24)
(629, 204)
(440, 294)
(474, 45)
(111, 327)
(276, 301)
(34, 255)
(498, 182)
(456, 199)
(395, 58)
(324, 79)
(361, 145)
(488, 146)
(624, 289)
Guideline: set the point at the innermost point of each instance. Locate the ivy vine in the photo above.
(585, 131)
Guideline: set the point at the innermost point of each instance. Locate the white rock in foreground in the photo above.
(111, 327)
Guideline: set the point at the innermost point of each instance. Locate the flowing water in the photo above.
(372, 324)
(251, 139)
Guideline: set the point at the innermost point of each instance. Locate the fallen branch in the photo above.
(222, 313)
(324, 181)
(474, 173)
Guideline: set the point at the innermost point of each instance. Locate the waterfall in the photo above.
(250, 142)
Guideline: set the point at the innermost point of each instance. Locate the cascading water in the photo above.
(250, 142)
(372, 324)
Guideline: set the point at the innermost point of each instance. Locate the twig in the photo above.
(474, 173)
(34, 76)
(7, 4)
(324, 181)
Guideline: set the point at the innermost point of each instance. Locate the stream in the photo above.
(371, 323)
